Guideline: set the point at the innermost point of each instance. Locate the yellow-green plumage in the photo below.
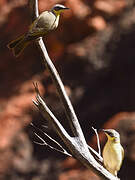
(47, 21)
(13, 43)
(18, 45)
(113, 152)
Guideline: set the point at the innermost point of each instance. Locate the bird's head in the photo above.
(58, 8)
(112, 134)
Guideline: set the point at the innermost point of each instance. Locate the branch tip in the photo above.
(98, 142)
(35, 84)
(44, 143)
(63, 151)
(35, 102)
(46, 127)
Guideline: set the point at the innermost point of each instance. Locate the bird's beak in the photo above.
(65, 8)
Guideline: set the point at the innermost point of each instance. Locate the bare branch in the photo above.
(95, 153)
(61, 90)
(51, 147)
(35, 103)
(47, 114)
(46, 127)
(50, 138)
(42, 144)
(98, 142)
(33, 5)
(73, 143)
(77, 145)
(55, 76)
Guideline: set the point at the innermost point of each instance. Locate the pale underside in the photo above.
(113, 155)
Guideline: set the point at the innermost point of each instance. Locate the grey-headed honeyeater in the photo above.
(113, 152)
(47, 21)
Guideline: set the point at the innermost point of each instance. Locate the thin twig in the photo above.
(51, 147)
(98, 142)
(95, 153)
(46, 112)
(50, 138)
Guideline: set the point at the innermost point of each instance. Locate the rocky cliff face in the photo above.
(93, 50)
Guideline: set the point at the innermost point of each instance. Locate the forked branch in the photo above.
(76, 145)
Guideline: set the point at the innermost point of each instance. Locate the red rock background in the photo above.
(94, 52)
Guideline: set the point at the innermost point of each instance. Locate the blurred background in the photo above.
(93, 50)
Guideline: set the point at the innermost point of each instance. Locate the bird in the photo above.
(46, 22)
(113, 152)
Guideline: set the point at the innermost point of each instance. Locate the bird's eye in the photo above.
(110, 134)
(57, 8)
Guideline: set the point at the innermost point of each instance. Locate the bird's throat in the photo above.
(115, 140)
(56, 13)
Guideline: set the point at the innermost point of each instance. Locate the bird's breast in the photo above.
(112, 155)
(47, 20)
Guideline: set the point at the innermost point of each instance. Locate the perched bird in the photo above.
(113, 152)
(47, 21)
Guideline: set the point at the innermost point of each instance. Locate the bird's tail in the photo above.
(18, 45)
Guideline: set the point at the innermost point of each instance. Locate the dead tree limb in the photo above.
(76, 145)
